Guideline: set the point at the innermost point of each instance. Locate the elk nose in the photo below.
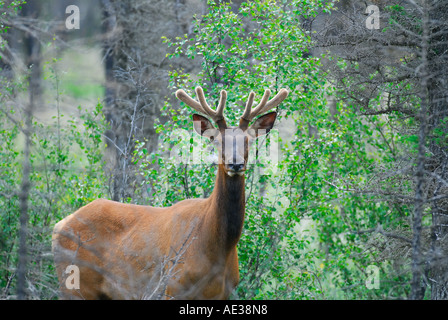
(236, 167)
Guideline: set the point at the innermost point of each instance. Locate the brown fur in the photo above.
(119, 248)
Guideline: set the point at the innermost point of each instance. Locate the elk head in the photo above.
(233, 142)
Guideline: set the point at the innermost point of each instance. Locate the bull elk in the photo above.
(185, 251)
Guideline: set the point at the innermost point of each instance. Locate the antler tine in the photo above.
(219, 113)
(249, 103)
(203, 107)
(222, 103)
(268, 105)
(203, 102)
(262, 107)
(250, 113)
(274, 102)
(189, 101)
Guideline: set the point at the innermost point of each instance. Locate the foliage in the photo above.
(316, 223)
(391, 83)
(334, 196)
(261, 46)
(67, 173)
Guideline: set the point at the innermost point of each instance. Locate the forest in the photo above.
(346, 197)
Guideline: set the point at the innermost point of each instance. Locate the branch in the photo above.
(379, 229)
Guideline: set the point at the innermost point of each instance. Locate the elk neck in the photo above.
(227, 203)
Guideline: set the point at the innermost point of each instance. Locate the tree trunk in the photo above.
(414, 45)
(137, 78)
(438, 162)
(33, 53)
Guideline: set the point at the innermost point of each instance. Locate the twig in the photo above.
(379, 229)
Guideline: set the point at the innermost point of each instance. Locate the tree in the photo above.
(394, 79)
(33, 61)
(136, 74)
(256, 47)
(40, 177)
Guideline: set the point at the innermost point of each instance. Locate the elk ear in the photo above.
(262, 125)
(204, 127)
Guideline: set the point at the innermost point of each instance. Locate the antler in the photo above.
(202, 106)
(262, 107)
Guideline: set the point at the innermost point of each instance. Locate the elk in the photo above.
(185, 251)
